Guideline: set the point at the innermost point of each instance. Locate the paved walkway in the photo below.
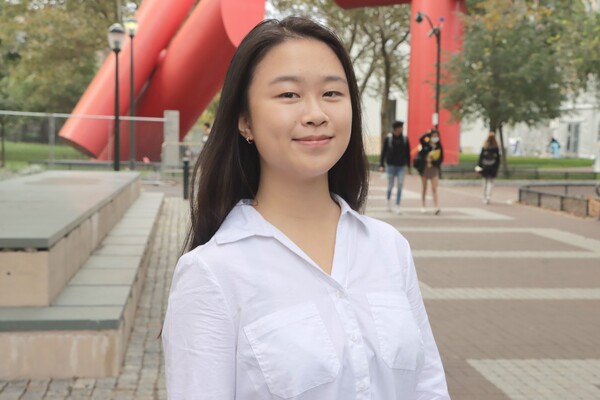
(513, 295)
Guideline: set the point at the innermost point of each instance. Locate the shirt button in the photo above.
(361, 386)
(354, 337)
(339, 294)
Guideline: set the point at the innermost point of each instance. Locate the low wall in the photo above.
(85, 331)
(549, 197)
(594, 207)
(51, 223)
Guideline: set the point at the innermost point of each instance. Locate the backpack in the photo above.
(419, 162)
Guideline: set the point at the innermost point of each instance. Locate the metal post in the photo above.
(131, 112)
(117, 144)
(51, 139)
(437, 31)
(438, 35)
(596, 166)
(186, 177)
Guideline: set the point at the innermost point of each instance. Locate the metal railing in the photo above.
(578, 199)
(21, 126)
(519, 172)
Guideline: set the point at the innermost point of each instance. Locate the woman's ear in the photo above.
(244, 127)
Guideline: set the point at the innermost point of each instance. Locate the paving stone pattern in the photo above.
(512, 292)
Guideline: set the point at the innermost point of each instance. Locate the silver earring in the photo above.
(250, 141)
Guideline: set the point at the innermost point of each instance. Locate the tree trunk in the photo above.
(365, 80)
(503, 153)
(384, 114)
(385, 93)
(3, 150)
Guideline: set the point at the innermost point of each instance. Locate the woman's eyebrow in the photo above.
(297, 79)
(335, 78)
(285, 78)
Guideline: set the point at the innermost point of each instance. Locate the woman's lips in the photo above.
(314, 140)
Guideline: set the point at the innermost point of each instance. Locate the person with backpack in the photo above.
(487, 166)
(395, 159)
(429, 164)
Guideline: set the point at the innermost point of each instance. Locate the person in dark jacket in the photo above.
(487, 166)
(395, 157)
(429, 161)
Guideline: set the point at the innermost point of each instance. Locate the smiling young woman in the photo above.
(287, 291)
(300, 113)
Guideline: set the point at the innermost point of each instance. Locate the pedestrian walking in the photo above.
(487, 166)
(395, 160)
(429, 163)
(287, 291)
(555, 148)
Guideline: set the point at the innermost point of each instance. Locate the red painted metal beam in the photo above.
(187, 64)
(421, 82)
(158, 22)
(193, 69)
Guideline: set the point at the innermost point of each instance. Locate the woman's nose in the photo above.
(314, 114)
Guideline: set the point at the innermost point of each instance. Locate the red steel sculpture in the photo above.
(182, 53)
(422, 70)
(180, 64)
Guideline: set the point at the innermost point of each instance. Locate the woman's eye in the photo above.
(288, 95)
(331, 93)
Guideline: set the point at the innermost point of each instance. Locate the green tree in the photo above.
(8, 57)
(60, 44)
(509, 71)
(210, 112)
(373, 37)
(579, 45)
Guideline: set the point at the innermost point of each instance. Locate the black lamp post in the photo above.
(437, 31)
(131, 24)
(116, 33)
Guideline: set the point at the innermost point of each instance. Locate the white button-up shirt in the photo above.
(252, 317)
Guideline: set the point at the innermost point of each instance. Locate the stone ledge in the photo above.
(51, 223)
(59, 318)
(57, 202)
(86, 329)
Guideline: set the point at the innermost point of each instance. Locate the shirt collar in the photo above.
(244, 221)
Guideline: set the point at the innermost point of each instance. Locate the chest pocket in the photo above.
(399, 337)
(294, 350)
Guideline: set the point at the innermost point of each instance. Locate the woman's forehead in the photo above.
(296, 57)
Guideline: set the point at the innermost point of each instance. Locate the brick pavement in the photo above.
(514, 301)
(512, 294)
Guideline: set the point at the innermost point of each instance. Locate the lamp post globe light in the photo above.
(437, 31)
(116, 34)
(131, 25)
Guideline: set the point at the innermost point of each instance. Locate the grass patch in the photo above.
(19, 154)
(517, 161)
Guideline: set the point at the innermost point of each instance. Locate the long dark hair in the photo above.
(228, 168)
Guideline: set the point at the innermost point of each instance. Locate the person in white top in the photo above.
(287, 291)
